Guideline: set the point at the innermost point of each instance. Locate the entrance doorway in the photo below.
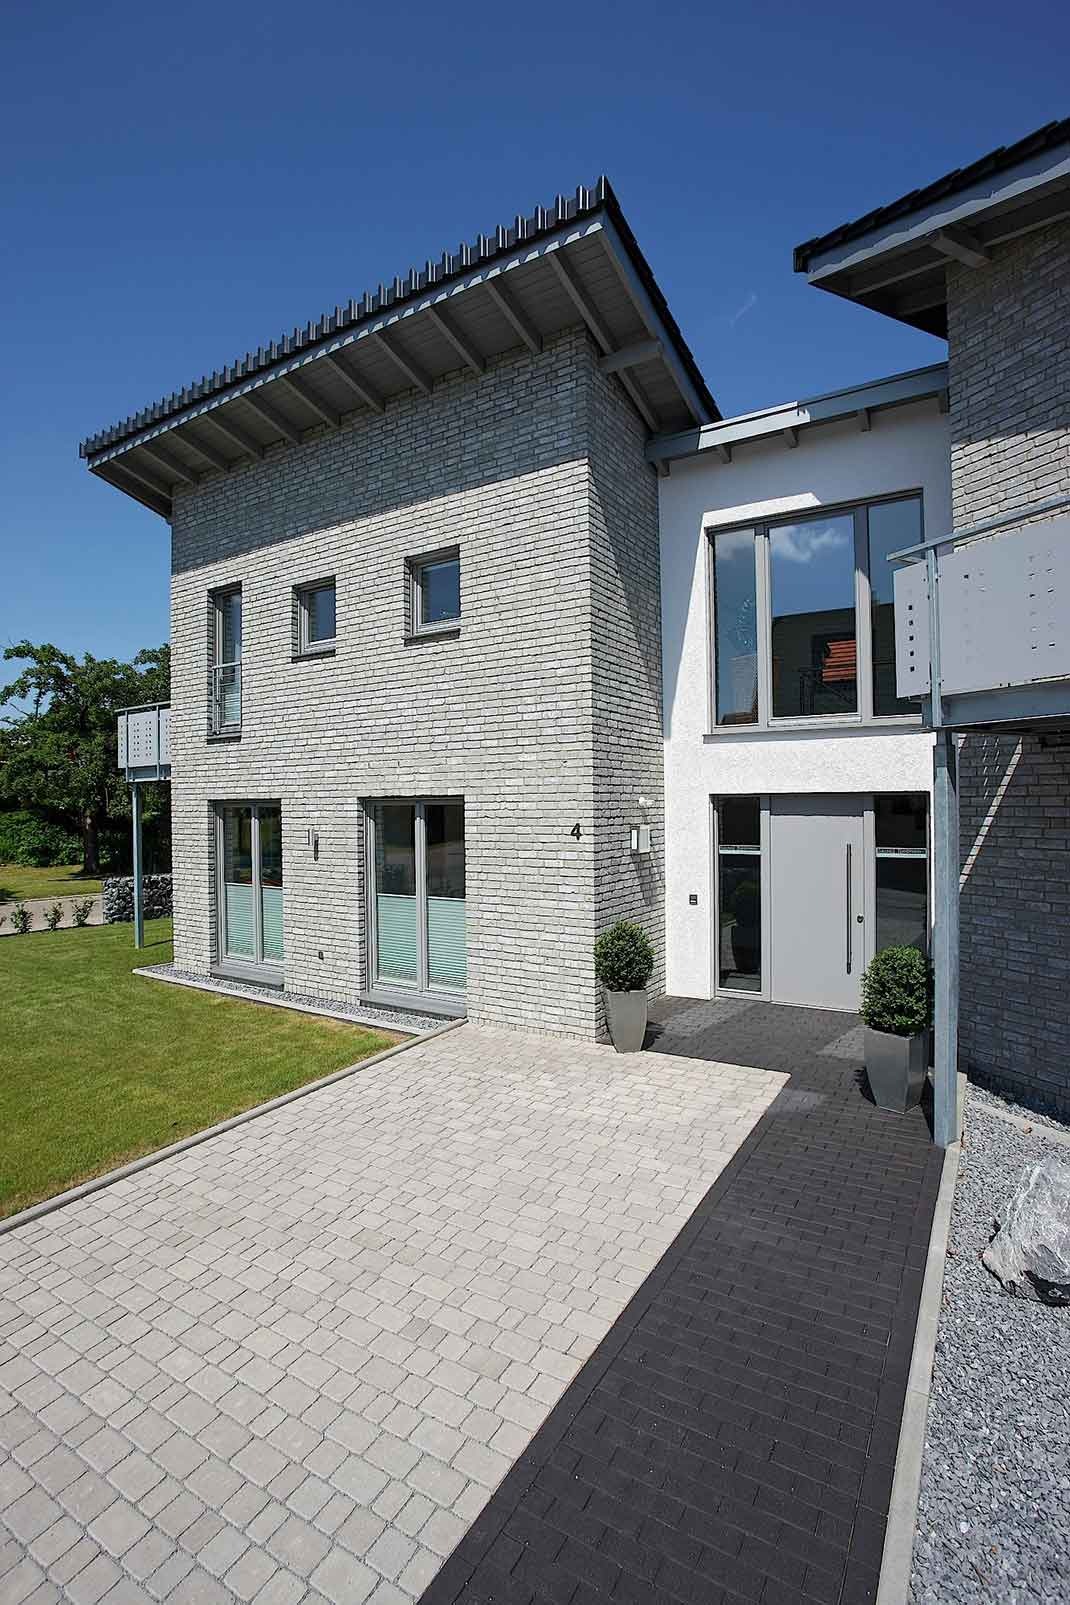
(817, 883)
(810, 887)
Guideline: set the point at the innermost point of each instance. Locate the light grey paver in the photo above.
(295, 1360)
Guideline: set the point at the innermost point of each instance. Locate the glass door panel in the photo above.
(396, 910)
(239, 903)
(814, 644)
(739, 889)
(417, 874)
(270, 827)
(444, 827)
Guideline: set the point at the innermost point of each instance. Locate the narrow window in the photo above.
(316, 617)
(225, 676)
(892, 525)
(901, 827)
(739, 894)
(735, 608)
(814, 638)
(250, 884)
(436, 592)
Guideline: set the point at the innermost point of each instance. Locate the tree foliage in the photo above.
(58, 749)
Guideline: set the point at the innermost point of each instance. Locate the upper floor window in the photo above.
(316, 617)
(225, 677)
(435, 601)
(804, 618)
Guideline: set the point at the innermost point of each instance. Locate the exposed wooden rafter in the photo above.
(272, 417)
(519, 319)
(360, 387)
(412, 371)
(463, 347)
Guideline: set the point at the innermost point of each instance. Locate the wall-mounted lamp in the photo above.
(640, 839)
(312, 836)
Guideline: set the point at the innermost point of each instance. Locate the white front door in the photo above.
(817, 896)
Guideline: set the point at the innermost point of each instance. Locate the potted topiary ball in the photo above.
(897, 1010)
(624, 963)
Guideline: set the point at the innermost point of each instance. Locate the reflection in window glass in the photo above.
(901, 828)
(321, 614)
(736, 612)
(892, 525)
(438, 586)
(739, 895)
(239, 917)
(396, 919)
(812, 574)
(446, 940)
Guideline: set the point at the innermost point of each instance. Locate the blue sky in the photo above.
(181, 185)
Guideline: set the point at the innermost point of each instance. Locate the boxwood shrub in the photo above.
(623, 957)
(897, 992)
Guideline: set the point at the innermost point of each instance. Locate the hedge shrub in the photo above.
(34, 844)
(623, 957)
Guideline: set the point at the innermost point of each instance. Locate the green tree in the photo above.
(58, 756)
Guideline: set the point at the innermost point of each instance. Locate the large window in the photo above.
(225, 673)
(739, 895)
(250, 888)
(803, 616)
(417, 899)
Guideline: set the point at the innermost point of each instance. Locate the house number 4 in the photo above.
(575, 831)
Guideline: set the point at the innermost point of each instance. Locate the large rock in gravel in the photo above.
(1030, 1253)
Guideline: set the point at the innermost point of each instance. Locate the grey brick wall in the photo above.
(509, 467)
(1009, 338)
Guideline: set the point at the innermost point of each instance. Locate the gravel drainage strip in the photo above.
(412, 1022)
(994, 1510)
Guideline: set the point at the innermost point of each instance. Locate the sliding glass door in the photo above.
(417, 899)
(249, 837)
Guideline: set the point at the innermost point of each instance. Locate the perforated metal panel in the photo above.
(1005, 609)
(145, 742)
(911, 590)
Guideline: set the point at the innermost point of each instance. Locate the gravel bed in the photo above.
(364, 1014)
(994, 1513)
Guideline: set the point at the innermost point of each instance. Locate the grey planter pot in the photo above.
(896, 1069)
(626, 1018)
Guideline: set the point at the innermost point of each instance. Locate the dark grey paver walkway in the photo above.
(733, 1437)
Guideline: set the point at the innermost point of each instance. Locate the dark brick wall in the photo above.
(1009, 354)
(1015, 916)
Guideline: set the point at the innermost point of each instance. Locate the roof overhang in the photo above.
(576, 263)
(894, 259)
(787, 423)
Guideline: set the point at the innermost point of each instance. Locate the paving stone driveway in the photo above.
(292, 1364)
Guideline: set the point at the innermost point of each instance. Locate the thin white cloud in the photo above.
(801, 543)
(750, 301)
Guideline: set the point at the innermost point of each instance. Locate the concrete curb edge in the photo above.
(134, 1168)
(906, 1485)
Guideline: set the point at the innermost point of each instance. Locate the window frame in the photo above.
(767, 721)
(305, 646)
(271, 972)
(414, 567)
(390, 992)
(218, 596)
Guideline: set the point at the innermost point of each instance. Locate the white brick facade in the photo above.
(542, 713)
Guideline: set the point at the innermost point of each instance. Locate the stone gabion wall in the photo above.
(1009, 349)
(119, 897)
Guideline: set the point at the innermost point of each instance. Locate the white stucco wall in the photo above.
(906, 449)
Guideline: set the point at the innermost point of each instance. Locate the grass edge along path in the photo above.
(99, 1066)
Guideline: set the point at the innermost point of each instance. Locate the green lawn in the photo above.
(62, 880)
(100, 1065)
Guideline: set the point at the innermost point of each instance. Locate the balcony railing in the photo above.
(982, 620)
(224, 698)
